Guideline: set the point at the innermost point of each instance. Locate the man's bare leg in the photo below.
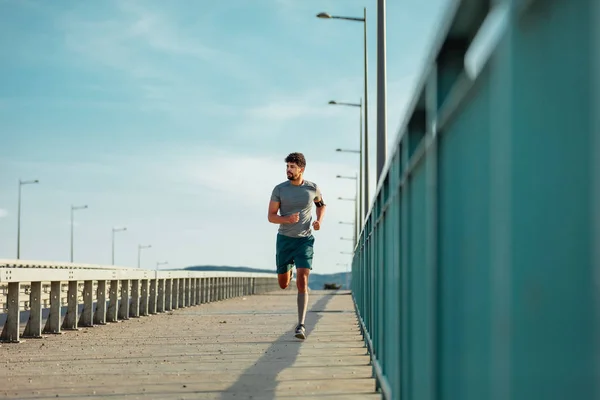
(285, 279)
(302, 285)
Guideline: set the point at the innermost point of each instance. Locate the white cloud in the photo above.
(153, 52)
(278, 111)
(3, 213)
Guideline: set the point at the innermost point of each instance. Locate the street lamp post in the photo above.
(366, 95)
(363, 183)
(73, 209)
(381, 89)
(113, 241)
(21, 183)
(140, 247)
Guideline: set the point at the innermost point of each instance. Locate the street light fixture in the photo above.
(325, 15)
(157, 265)
(113, 241)
(365, 151)
(21, 183)
(161, 263)
(140, 247)
(348, 151)
(73, 209)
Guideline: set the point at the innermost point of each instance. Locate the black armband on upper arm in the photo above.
(319, 203)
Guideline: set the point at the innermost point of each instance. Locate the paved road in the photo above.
(240, 348)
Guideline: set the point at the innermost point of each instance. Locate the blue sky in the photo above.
(173, 119)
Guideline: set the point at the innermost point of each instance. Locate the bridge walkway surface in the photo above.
(240, 348)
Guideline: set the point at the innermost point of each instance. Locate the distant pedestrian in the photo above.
(293, 199)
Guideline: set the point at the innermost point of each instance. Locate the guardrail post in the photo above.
(192, 291)
(134, 310)
(124, 306)
(203, 290)
(113, 304)
(87, 314)
(144, 298)
(168, 294)
(175, 290)
(153, 302)
(160, 300)
(10, 332)
(53, 321)
(70, 321)
(181, 292)
(212, 289)
(216, 282)
(34, 325)
(208, 290)
(187, 283)
(100, 314)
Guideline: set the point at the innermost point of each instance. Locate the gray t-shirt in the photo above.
(296, 199)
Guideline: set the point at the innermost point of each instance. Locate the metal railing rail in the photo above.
(475, 275)
(95, 295)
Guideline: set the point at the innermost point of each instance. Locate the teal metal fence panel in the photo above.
(476, 274)
(464, 250)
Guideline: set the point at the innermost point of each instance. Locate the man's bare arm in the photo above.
(278, 219)
(320, 214)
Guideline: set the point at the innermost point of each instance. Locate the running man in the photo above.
(294, 199)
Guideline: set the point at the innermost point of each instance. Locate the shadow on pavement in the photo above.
(260, 380)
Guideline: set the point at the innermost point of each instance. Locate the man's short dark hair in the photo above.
(296, 158)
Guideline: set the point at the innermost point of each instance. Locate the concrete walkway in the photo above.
(240, 348)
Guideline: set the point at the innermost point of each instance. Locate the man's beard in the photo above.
(291, 177)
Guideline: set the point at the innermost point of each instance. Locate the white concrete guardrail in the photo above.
(90, 295)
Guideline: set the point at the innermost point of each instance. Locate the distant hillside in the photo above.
(315, 282)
